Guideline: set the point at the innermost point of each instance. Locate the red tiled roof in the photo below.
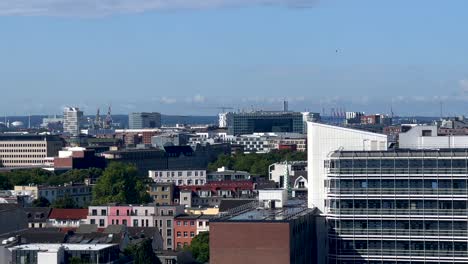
(68, 214)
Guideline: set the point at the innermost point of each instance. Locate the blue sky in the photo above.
(189, 57)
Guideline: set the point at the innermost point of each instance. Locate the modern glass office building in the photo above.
(264, 121)
(397, 206)
(144, 120)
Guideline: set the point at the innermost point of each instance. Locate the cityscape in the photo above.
(232, 131)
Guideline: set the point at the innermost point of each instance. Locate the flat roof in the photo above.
(29, 137)
(293, 210)
(56, 247)
(402, 153)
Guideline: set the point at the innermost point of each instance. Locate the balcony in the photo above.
(397, 191)
(412, 212)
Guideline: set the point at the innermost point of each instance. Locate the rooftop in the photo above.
(251, 213)
(56, 247)
(68, 214)
(403, 153)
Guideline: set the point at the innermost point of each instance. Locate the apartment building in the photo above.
(160, 216)
(27, 150)
(179, 177)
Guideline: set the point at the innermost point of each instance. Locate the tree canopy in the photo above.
(44, 177)
(120, 183)
(255, 163)
(200, 247)
(65, 202)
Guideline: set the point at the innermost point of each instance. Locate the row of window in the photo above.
(144, 223)
(399, 163)
(21, 145)
(348, 246)
(179, 173)
(22, 156)
(398, 204)
(429, 225)
(21, 161)
(398, 183)
(192, 234)
(22, 150)
(128, 212)
(187, 182)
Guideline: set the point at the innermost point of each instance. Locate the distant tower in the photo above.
(29, 121)
(97, 121)
(108, 120)
(287, 185)
(285, 106)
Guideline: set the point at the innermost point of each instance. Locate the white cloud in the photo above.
(167, 100)
(109, 7)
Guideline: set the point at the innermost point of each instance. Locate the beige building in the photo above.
(27, 150)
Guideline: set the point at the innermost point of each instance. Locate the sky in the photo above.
(193, 57)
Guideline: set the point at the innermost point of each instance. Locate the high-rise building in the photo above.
(264, 121)
(144, 120)
(401, 206)
(406, 205)
(72, 117)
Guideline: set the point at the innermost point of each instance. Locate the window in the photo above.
(189, 173)
(103, 212)
(179, 245)
(196, 173)
(185, 223)
(178, 223)
(135, 222)
(192, 234)
(94, 212)
(192, 223)
(169, 232)
(200, 224)
(178, 234)
(169, 223)
(117, 212)
(93, 221)
(169, 242)
(179, 173)
(124, 222)
(185, 234)
(170, 212)
(101, 222)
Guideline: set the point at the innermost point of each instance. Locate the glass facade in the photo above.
(258, 122)
(398, 207)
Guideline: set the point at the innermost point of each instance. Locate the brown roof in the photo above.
(68, 214)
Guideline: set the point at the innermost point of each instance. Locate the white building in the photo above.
(425, 137)
(322, 141)
(222, 120)
(72, 117)
(276, 171)
(179, 177)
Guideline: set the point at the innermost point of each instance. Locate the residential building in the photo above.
(277, 171)
(264, 121)
(37, 216)
(133, 137)
(185, 230)
(163, 193)
(265, 142)
(18, 150)
(144, 120)
(223, 174)
(59, 253)
(80, 193)
(212, 193)
(72, 119)
(160, 216)
(255, 234)
(67, 218)
(222, 120)
(353, 117)
(179, 177)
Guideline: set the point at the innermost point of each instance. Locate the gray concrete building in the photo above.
(144, 120)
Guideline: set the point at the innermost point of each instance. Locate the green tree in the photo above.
(75, 260)
(65, 202)
(5, 183)
(120, 184)
(200, 247)
(41, 202)
(144, 253)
